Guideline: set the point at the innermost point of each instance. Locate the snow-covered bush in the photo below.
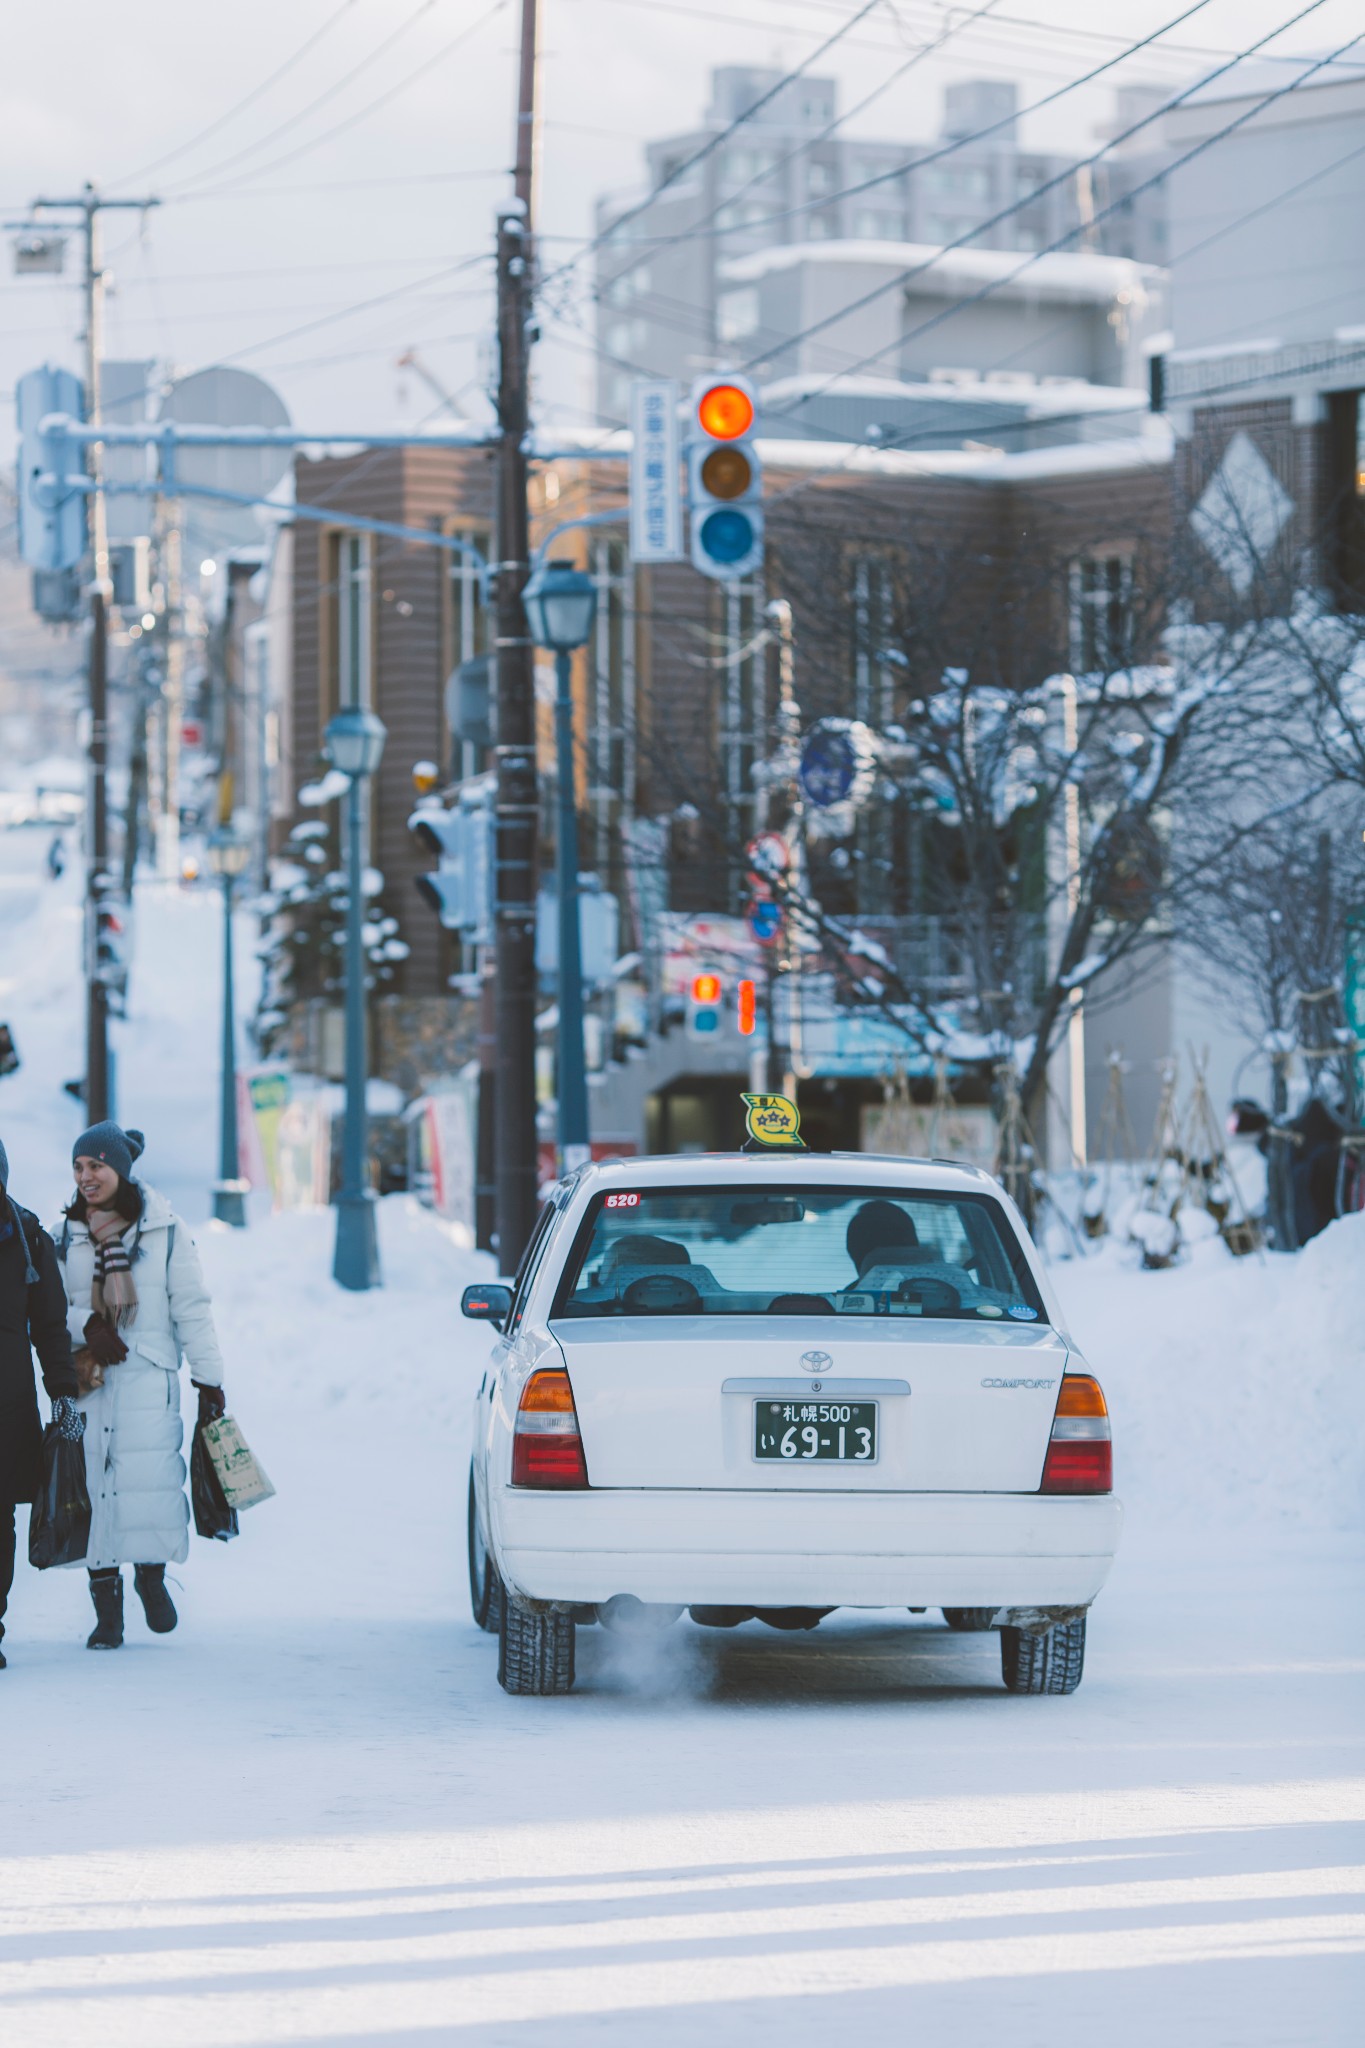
(303, 930)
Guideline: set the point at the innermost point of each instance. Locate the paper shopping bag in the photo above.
(239, 1473)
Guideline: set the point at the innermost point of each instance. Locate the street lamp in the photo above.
(355, 745)
(228, 856)
(560, 604)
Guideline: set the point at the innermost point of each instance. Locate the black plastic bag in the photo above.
(59, 1527)
(212, 1515)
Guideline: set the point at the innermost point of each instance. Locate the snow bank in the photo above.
(1237, 1386)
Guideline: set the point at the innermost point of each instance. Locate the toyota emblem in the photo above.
(816, 1361)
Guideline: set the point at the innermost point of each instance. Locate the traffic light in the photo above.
(110, 936)
(460, 890)
(724, 480)
(52, 516)
(748, 1009)
(703, 1006)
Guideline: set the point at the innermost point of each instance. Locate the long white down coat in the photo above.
(133, 1432)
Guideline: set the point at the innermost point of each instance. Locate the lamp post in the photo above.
(355, 746)
(228, 856)
(560, 604)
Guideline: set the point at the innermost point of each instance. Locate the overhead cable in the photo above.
(915, 270)
(257, 92)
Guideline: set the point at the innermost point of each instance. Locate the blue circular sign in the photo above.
(765, 921)
(829, 767)
(728, 535)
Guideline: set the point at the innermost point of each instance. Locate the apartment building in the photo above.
(791, 176)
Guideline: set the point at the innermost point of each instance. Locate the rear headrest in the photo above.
(645, 1250)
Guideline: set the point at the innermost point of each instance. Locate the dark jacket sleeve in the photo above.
(47, 1314)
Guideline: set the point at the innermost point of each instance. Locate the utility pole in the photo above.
(517, 790)
(90, 206)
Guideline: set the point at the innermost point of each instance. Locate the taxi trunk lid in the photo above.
(670, 1402)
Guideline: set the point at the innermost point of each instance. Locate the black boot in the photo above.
(149, 1581)
(106, 1590)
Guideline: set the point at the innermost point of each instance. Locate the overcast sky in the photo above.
(369, 170)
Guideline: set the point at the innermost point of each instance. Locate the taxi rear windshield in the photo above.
(770, 1251)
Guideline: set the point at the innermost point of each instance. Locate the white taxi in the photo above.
(763, 1386)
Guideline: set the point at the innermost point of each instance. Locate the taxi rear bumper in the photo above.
(779, 1549)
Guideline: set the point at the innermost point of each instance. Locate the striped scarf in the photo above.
(113, 1294)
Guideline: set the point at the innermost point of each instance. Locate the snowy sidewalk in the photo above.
(310, 1814)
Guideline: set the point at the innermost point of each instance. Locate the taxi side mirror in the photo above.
(487, 1304)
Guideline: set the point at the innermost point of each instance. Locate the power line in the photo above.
(372, 106)
(917, 270)
(680, 170)
(1198, 150)
(915, 58)
(947, 149)
(366, 62)
(257, 92)
(334, 185)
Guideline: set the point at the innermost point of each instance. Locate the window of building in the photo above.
(611, 700)
(470, 632)
(819, 178)
(354, 665)
(972, 181)
(737, 314)
(1345, 469)
(1101, 612)
(878, 227)
(740, 165)
(874, 678)
(751, 214)
(626, 339)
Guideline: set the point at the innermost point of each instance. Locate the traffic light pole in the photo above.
(517, 793)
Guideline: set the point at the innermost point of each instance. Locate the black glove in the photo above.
(212, 1403)
(103, 1341)
(67, 1419)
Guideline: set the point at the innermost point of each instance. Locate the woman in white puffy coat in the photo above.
(137, 1304)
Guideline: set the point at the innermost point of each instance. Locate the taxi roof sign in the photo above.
(773, 1122)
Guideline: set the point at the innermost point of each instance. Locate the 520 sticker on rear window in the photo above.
(622, 1202)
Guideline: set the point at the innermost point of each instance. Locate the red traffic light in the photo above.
(706, 988)
(748, 1009)
(725, 411)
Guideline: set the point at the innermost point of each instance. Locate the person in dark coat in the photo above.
(32, 1318)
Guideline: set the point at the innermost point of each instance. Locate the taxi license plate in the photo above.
(797, 1432)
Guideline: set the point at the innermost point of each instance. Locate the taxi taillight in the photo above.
(1080, 1452)
(547, 1449)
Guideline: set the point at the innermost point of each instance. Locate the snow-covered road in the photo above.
(310, 1815)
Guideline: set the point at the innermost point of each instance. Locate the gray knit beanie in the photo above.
(111, 1145)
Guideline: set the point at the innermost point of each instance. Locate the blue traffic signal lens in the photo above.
(728, 535)
(706, 1020)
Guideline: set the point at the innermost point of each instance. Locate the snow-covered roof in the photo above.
(1151, 449)
(1035, 396)
(1078, 277)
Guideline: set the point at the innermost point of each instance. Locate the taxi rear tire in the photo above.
(1050, 1663)
(535, 1651)
(485, 1586)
